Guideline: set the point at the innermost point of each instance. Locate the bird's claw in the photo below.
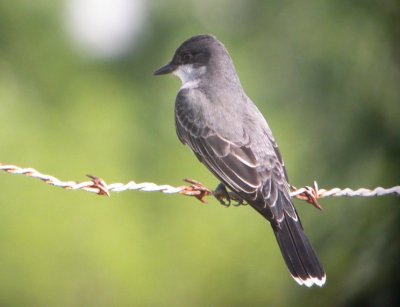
(227, 198)
(222, 195)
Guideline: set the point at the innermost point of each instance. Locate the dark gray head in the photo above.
(198, 55)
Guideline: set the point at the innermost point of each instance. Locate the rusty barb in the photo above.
(99, 185)
(308, 194)
(195, 189)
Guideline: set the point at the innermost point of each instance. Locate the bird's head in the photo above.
(191, 59)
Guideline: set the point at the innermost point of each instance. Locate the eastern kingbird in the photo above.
(230, 136)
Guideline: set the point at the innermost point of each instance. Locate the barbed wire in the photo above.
(98, 186)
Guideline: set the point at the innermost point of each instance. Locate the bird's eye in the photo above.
(186, 57)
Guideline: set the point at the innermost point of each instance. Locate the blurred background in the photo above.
(77, 97)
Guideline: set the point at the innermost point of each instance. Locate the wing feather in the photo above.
(237, 164)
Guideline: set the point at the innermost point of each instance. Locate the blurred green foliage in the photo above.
(326, 74)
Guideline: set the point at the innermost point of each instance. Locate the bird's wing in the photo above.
(258, 180)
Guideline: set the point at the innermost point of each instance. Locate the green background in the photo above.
(326, 74)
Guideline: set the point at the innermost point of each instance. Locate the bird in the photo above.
(230, 136)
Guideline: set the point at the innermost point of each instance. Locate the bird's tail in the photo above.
(299, 256)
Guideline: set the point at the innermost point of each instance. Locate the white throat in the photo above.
(189, 75)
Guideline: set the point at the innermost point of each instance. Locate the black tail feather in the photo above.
(299, 256)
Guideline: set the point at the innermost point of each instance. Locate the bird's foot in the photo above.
(222, 195)
(227, 198)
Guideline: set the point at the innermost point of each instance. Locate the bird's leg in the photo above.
(222, 195)
(225, 197)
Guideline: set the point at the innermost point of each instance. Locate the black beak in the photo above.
(166, 69)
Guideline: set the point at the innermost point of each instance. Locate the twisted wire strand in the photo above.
(100, 187)
(95, 185)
